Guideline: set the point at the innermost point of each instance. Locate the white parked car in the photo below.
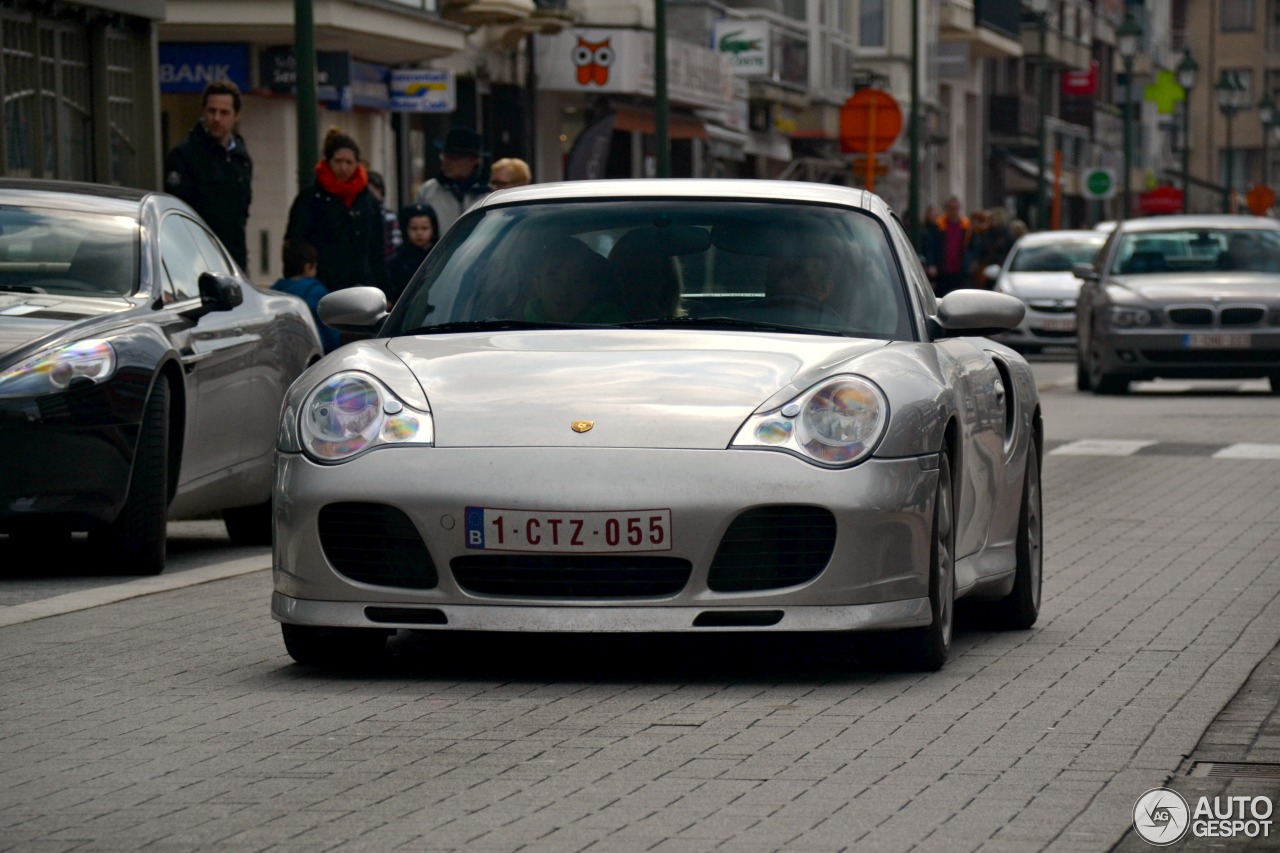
(1038, 271)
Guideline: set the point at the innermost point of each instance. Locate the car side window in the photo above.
(187, 250)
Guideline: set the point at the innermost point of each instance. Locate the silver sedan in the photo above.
(1182, 297)
(1039, 271)
(690, 406)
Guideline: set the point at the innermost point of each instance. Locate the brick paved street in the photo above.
(175, 721)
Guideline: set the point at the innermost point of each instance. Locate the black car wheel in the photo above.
(134, 544)
(249, 525)
(925, 649)
(342, 648)
(1020, 609)
(1274, 379)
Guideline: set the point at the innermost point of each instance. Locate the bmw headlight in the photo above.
(835, 424)
(90, 360)
(351, 412)
(1128, 317)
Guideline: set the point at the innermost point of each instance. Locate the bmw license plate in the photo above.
(492, 529)
(1202, 340)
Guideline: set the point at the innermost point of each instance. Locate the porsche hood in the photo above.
(612, 389)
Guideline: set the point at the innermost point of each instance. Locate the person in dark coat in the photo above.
(421, 229)
(342, 218)
(211, 169)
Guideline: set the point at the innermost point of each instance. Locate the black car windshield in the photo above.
(1056, 257)
(649, 263)
(48, 250)
(1197, 250)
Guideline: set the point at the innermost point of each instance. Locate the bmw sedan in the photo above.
(141, 374)
(666, 406)
(1193, 297)
(1039, 271)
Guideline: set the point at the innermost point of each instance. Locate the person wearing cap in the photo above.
(459, 184)
(421, 229)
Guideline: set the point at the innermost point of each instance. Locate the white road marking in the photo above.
(85, 599)
(1249, 451)
(1100, 447)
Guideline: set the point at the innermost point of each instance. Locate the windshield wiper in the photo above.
(717, 322)
(491, 325)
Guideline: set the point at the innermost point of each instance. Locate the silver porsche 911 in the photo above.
(666, 406)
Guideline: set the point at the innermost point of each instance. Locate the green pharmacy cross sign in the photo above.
(1165, 92)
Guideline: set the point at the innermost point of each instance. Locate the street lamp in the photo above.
(1230, 93)
(1128, 36)
(1187, 69)
(1041, 9)
(1266, 115)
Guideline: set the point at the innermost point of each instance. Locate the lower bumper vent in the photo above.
(571, 575)
(773, 547)
(375, 544)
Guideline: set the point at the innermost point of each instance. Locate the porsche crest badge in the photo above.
(582, 426)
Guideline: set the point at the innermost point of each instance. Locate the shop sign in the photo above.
(189, 67)
(746, 43)
(279, 73)
(422, 90)
(1081, 84)
(369, 85)
(620, 61)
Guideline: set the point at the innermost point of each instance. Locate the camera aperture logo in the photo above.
(1161, 816)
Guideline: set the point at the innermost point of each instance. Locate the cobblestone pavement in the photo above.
(175, 721)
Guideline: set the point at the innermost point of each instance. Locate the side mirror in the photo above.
(976, 313)
(992, 272)
(1084, 271)
(218, 292)
(358, 310)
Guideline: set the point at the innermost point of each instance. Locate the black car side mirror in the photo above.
(1084, 271)
(218, 292)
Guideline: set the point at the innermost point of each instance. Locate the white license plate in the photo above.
(586, 532)
(1059, 324)
(1209, 341)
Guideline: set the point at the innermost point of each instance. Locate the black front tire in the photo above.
(1020, 609)
(925, 649)
(338, 648)
(249, 525)
(134, 543)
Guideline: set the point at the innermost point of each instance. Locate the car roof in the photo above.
(691, 188)
(1192, 221)
(73, 195)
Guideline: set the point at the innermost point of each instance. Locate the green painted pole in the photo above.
(914, 204)
(304, 53)
(661, 121)
(1042, 218)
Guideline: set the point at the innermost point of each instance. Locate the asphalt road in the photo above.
(134, 715)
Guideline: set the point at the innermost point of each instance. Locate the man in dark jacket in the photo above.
(211, 170)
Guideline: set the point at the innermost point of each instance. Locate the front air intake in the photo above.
(773, 547)
(375, 544)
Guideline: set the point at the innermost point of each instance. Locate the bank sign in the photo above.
(746, 43)
(189, 67)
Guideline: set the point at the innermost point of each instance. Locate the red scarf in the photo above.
(329, 182)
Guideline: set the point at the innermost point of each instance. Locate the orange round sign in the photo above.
(1260, 199)
(869, 122)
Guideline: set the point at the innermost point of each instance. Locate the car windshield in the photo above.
(661, 263)
(1197, 250)
(47, 250)
(1056, 257)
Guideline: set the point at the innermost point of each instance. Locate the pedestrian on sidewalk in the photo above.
(211, 169)
(299, 279)
(459, 184)
(948, 255)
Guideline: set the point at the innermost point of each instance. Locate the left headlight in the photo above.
(351, 412)
(834, 424)
(92, 360)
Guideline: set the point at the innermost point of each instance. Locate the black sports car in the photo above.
(141, 372)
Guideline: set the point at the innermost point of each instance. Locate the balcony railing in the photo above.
(1014, 115)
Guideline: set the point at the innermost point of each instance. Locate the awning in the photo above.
(633, 119)
(775, 146)
(726, 144)
(1021, 174)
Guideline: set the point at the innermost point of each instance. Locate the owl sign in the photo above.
(593, 59)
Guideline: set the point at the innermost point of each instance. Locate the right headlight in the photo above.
(834, 424)
(351, 412)
(1128, 317)
(88, 361)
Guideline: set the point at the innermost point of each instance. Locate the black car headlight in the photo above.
(1130, 317)
(835, 424)
(50, 372)
(351, 412)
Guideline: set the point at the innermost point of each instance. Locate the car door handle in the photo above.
(999, 389)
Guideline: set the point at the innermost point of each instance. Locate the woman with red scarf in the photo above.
(342, 218)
